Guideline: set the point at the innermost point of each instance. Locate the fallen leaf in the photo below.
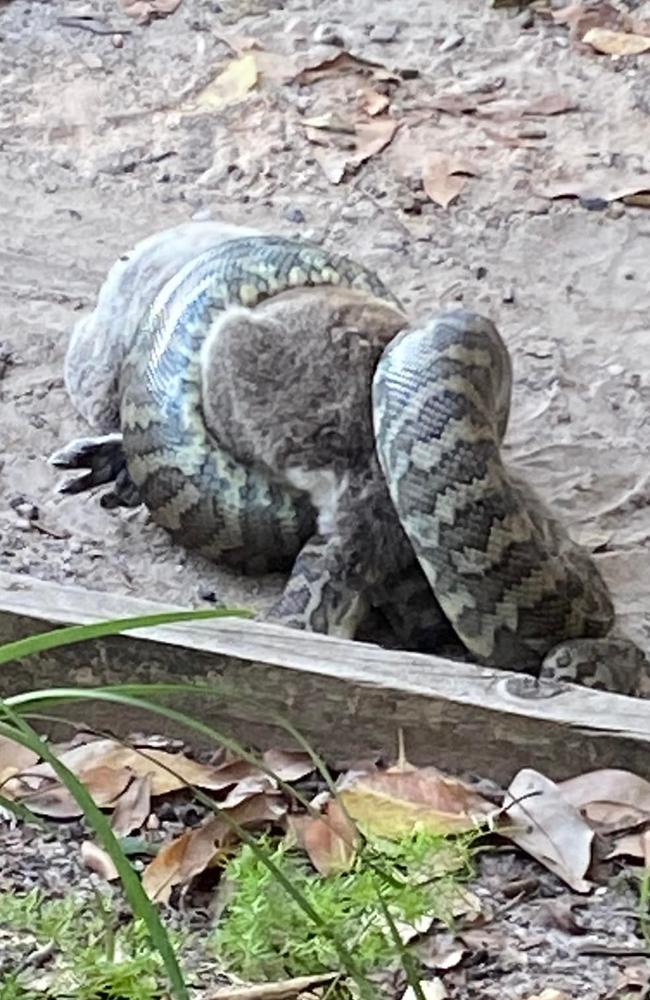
(145, 11)
(594, 184)
(551, 104)
(53, 801)
(284, 990)
(288, 765)
(610, 797)
(633, 845)
(14, 758)
(178, 862)
(98, 861)
(330, 122)
(549, 828)
(616, 43)
(441, 177)
(331, 841)
(230, 87)
(259, 809)
(172, 771)
(132, 807)
(395, 804)
(78, 758)
(246, 789)
(372, 137)
(340, 65)
(432, 989)
(373, 103)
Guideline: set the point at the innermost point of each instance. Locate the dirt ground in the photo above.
(99, 147)
(98, 151)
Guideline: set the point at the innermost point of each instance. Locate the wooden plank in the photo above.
(349, 699)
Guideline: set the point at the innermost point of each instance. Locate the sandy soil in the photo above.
(97, 150)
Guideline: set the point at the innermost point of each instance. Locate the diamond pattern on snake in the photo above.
(274, 407)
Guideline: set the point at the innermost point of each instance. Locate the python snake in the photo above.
(433, 522)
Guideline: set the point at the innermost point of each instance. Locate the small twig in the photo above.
(90, 23)
(603, 949)
(273, 991)
(38, 957)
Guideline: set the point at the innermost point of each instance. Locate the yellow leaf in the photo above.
(616, 43)
(394, 804)
(230, 86)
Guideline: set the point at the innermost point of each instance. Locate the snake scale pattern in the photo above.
(431, 526)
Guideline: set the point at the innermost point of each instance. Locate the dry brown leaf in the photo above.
(332, 121)
(551, 104)
(610, 797)
(258, 809)
(616, 43)
(98, 861)
(395, 804)
(132, 807)
(144, 11)
(633, 845)
(549, 828)
(288, 765)
(371, 102)
(284, 990)
(340, 65)
(442, 177)
(178, 862)
(231, 86)
(372, 137)
(14, 758)
(53, 801)
(594, 184)
(246, 789)
(79, 758)
(432, 989)
(331, 841)
(171, 771)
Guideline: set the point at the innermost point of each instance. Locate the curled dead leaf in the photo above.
(633, 845)
(611, 797)
(145, 11)
(284, 990)
(178, 862)
(549, 828)
(340, 65)
(444, 176)
(616, 43)
(98, 861)
(288, 765)
(171, 771)
(371, 102)
(132, 807)
(370, 138)
(331, 840)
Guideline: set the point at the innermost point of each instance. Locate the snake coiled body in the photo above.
(206, 499)
(428, 524)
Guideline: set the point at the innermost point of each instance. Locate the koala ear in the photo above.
(227, 331)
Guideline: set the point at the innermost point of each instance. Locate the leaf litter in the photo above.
(554, 823)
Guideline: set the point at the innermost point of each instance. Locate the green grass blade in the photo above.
(82, 633)
(22, 732)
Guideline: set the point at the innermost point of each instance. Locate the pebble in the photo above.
(451, 42)
(616, 210)
(508, 295)
(328, 34)
(593, 204)
(91, 60)
(117, 40)
(295, 215)
(386, 32)
(532, 132)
